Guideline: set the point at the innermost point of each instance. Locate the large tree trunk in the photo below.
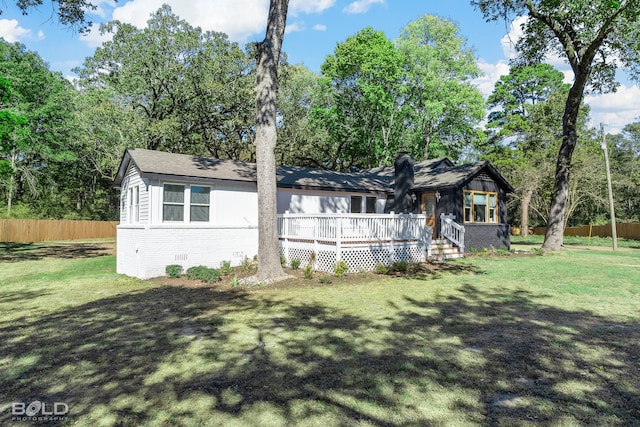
(269, 268)
(553, 238)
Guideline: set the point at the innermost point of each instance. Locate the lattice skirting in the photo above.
(359, 257)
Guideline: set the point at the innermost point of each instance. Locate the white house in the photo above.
(190, 210)
(187, 210)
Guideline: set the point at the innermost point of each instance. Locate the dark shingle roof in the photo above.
(184, 165)
(429, 174)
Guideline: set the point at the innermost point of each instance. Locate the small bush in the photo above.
(174, 271)
(502, 251)
(382, 269)
(325, 280)
(400, 266)
(308, 272)
(225, 268)
(283, 261)
(295, 263)
(340, 268)
(234, 282)
(206, 274)
(248, 265)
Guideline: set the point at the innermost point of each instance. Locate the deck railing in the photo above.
(451, 230)
(354, 238)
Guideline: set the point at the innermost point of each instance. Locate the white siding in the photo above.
(235, 204)
(144, 252)
(312, 202)
(133, 179)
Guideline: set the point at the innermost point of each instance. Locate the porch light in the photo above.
(438, 196)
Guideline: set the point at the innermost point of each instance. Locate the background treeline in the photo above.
(175, 88)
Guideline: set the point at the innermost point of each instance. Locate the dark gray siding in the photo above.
(479, 236)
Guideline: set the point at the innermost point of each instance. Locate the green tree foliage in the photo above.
(361, 82)
(413, 95)
(526, 135)
(299, 142)
(36, 130)
(624, 152)
(594, 37)
(513, 93)
(443, 108)
(193, 91)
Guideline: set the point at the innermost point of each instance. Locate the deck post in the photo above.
(285, 231)
(392, 248)
(338, 229)
(315, 243)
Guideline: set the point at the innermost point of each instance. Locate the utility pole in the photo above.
(603, 145)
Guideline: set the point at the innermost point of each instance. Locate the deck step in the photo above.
(444, 249)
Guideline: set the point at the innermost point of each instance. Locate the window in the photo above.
(199, 203)
(173, 203)
(134, 204)
(371, 205)
(356, 204)
(480, 207)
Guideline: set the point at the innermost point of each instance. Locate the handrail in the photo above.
(451, 230)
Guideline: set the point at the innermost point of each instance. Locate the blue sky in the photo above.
(314, 27)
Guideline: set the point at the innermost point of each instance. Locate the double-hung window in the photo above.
(199, 199)
(480, 207)
(173, 202)
(134, 204)
(179, 200)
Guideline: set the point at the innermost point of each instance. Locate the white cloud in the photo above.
(361, 6)
(94, 39)
(491, 74)
(309, 6)
(100, 10)
(11, 31)
(615, 110)
(320, 27)
(295, 27)
(41, 35)
(239, 19)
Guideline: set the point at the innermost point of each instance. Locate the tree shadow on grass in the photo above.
(178, 356)
(16, 252)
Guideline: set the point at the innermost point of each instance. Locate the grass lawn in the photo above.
(521, 340)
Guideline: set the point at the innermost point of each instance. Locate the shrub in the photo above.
(308, 272)
(295, 263)
(283, 261)
(173, 270)
(400, 266)
(234, 282)
(206, 274)
(537, 251)
(325, 280)
(340, 268)
(248, 265)
(225, 268)
(382, 269)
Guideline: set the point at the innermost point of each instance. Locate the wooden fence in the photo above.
(625, 230)
(35, 230)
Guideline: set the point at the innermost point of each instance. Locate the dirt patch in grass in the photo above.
(15, 252)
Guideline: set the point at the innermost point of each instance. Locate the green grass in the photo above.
(598, 242)
(522, 340)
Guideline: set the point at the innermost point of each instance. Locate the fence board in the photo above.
(629, 230)
(37, 230)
